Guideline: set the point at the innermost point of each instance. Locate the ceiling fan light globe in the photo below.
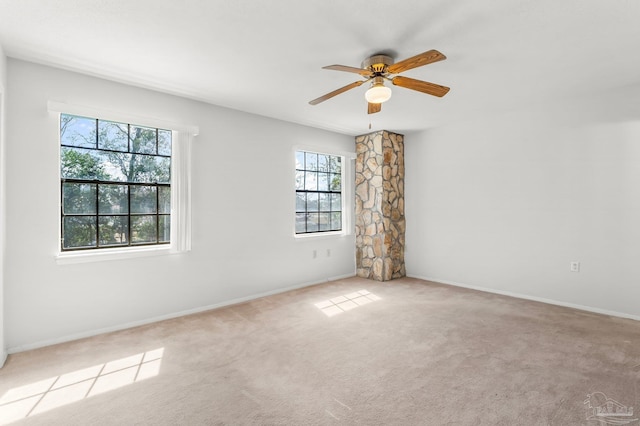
(378, 94)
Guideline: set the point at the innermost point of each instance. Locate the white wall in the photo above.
(3, 84)
(242, 215)
(506, 202)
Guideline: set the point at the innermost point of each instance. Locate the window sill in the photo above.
(99, 255)
(320, 235)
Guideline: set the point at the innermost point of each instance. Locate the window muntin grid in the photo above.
(114, 184)
(318, 192)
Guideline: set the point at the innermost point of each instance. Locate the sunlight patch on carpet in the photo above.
(44, 395)
(347, 302)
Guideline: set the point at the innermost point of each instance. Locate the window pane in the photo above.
(336, 202)
(323, 163)
(79, 198)
(164, 198)
(143, 229)
(78, 163)
(299, 180)
(312, 222)
(336, 221)
(77, 131)
(164, 142)
(311, 161)
(312, 201)
(164, 222)
(113, 230)
(323, 181)
(114, 164)
(300, 202)
(113, 199)
(325, 222)
(113, 136)
(79, 232)
(299, 160)
(335, 164)
(139, 168)
(324, 202)
(311, 181)
(336, 182)
(301, 223)
(143, 139)
(143, 199)
(151, 169)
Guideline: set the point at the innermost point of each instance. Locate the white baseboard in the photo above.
(132, 324)
(3, 358)
(528, 297)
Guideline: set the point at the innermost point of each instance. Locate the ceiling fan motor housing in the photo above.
(377, 63)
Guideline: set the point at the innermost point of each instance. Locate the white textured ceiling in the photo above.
(265, 57)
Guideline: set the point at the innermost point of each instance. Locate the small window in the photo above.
(115, 184)
(318, 192)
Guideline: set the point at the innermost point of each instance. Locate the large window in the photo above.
(115, 183)
(318, 192)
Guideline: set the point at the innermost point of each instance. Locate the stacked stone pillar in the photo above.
(380, 223)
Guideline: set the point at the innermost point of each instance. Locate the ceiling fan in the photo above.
(379, 68)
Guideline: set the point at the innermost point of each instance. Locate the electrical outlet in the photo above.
(314, 254)
(574, 266)
(328, 252)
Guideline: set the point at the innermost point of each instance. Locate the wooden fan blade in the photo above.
(345, 68)
(420, 86)
(425, 58)
(336, 92)
(373, 108)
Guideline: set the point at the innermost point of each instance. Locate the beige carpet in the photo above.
(408, 352)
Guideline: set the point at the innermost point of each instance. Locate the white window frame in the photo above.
(347, 194)
(182, 136)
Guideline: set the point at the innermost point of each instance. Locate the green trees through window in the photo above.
(114, 182)
(318, 192)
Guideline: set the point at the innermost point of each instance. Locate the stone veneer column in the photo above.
(380, 223)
